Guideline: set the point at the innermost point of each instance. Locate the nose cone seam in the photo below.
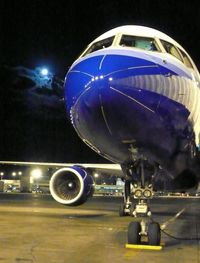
(101, 63)
(82, 72)
(104, 115)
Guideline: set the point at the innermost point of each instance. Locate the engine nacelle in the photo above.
(71, 186)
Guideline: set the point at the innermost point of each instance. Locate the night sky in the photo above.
(33, 124)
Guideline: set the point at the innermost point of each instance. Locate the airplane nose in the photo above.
(75, 84)
(84, 93)
(97, 75)
(104, 95)
(99, 82)
(80, 77)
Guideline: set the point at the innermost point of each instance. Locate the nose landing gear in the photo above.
(144, 229)
(140, 231)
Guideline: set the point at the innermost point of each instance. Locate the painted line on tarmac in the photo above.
(146, 247)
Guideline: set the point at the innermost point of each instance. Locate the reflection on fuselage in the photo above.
(135, 91)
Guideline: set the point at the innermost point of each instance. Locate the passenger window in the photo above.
(99, 45)
(186, 60)
(171, 49)
(139, 42)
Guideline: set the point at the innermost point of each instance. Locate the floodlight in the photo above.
(36, 173)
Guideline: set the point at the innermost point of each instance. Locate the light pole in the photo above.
(14, 174)
(1, 174)
(35, 175)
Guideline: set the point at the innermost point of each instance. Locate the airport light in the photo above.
(1, 174)
(14, 174)
(19, 173)
(96, 175)
(36, 173)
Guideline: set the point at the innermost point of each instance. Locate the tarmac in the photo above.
(34, 228)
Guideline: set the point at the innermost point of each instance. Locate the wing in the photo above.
(95, 167)
(72, 183)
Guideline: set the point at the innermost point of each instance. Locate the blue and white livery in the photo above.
(135, 92)
(133, 96)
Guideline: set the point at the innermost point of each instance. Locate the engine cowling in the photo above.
(71, 185)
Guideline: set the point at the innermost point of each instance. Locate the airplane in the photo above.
(133, 96)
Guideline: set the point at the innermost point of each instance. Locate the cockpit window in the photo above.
(139, 42)
(186, 59)
(171, 49)
(99, 45)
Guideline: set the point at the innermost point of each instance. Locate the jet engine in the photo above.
(71, 186)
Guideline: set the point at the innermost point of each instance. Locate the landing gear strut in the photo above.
(125, 209)
(142, 192)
